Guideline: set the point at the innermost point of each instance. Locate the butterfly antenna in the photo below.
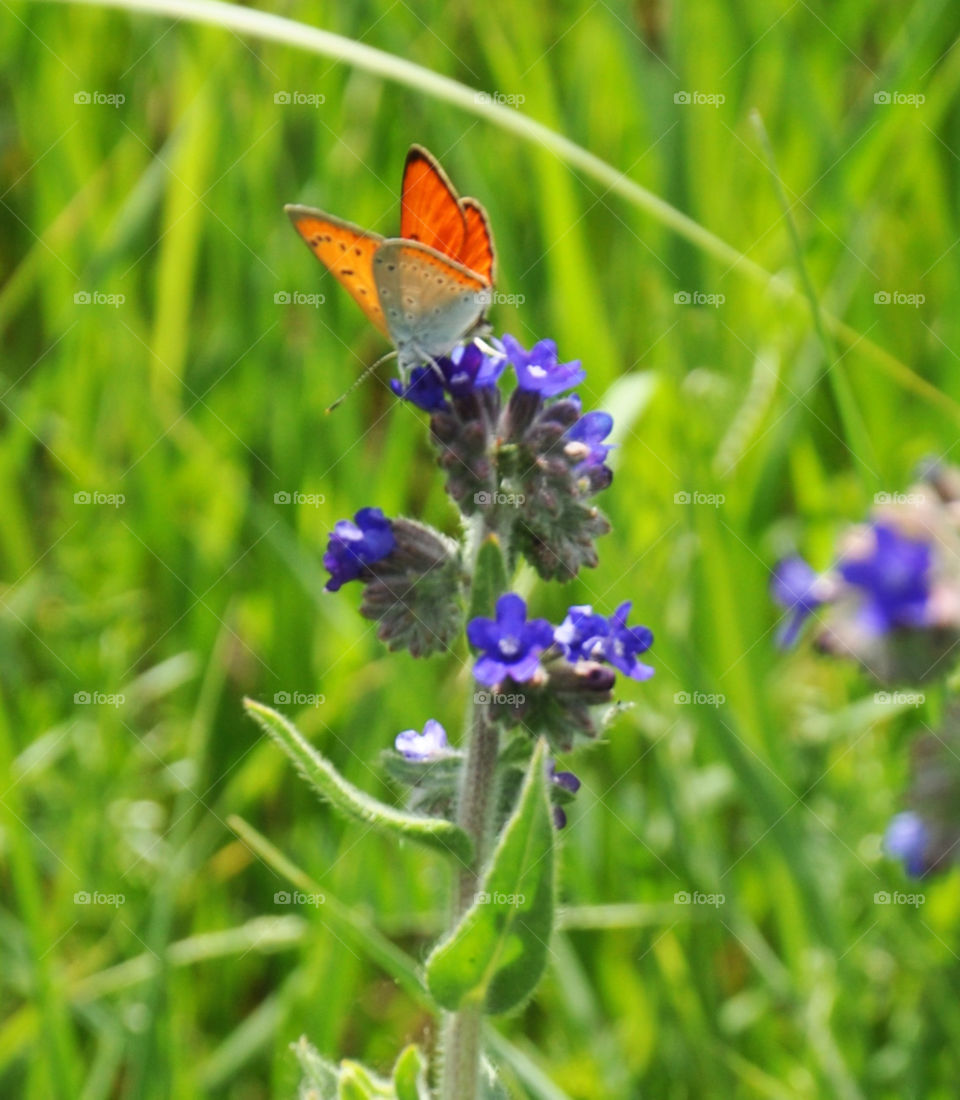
(356, 382)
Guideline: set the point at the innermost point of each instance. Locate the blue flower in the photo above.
(586, 636)
(425, 389)
(464, 371)
(539, 371)
(907, 839)
(895, 580)
(429, 745)
(355, 544)
(468, 369)
(510, 643)
(793, 587)
(591, 430)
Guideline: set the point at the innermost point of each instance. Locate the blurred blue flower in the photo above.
(907, 839)
(511, 644)
(423, 746)
(792, 586)
(355, 544)
(586, 636)
(895, 580)
(539, 371)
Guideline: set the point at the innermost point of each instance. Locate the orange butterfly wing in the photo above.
(430, 209)
(347, 253)
(478, 252)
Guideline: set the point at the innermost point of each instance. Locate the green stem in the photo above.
(461, 1041)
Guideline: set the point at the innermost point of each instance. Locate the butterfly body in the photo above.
(428, 289)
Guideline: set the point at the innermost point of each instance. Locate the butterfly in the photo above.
(427, 289)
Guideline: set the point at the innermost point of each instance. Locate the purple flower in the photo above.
(538, 369)
(895, 579)
(586, 636)
(793, 587)
(355, 544)
(465, 370)
(510, 643)
(907, 839)
(428, 745)
(591, 430)
(425, 389)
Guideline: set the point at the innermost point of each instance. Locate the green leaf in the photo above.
(410, 1075)
(497, 953)
(358, 1083)
(319, 1076)
(434, 832)
(489, 578)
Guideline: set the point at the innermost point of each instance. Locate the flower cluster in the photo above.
(522, 469)
(530, 466)
(892, 602)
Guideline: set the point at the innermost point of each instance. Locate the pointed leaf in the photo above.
(410, 1075)
(497, 953)
(434, 832)
(319, 1076)
(358, 1083)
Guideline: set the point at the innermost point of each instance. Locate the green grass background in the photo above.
(199, 398)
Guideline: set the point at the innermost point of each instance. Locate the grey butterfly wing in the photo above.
(430, 302)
